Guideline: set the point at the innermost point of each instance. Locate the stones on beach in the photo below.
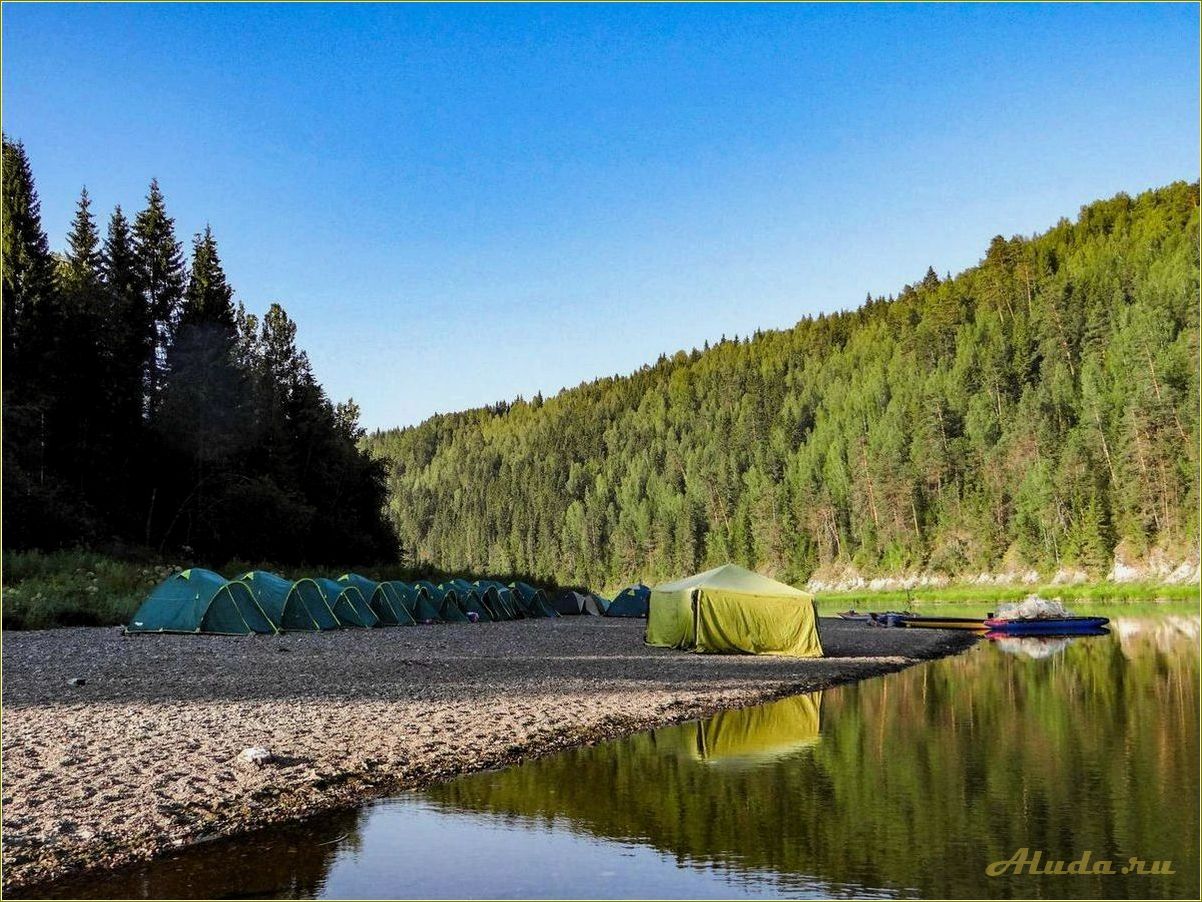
(254, 756)
(76, 681)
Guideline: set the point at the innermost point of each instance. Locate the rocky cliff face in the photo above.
(1156, 567)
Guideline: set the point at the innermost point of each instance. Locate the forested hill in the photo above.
(1038, 410)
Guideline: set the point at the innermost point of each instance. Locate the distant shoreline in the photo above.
(141, 761)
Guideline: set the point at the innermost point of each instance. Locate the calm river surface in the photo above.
(906, 785)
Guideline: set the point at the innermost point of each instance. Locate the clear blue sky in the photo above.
(461, 204)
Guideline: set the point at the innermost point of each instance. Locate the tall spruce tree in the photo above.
(199, 416)
(29, 289)
(38, 509)
(81, 270)
(81, 424)
(127, 327)
(161, 276)
(124, 334)
(208, 298)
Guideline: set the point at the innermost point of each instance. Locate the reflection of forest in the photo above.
(286, 863)
(919, 779)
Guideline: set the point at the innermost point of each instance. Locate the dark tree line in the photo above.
(143, 407)
(1039, 410)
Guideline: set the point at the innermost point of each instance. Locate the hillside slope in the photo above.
(1039, 410)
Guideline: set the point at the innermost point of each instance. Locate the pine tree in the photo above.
(203, 388)
(161, 277)
(127, 333)
(81, 272)
(29, 287)
(37, 506)
(81, 426)
(208, 298)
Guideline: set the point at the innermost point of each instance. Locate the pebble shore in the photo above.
(143, 758)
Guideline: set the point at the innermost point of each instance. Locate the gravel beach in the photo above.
(143, 758)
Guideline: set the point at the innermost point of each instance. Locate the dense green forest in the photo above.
(1038, 410)
(143, 409)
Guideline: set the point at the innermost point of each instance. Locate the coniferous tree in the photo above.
(127, 328)
(29, 290)
(161, 277)
(37, 504)
(81, 425)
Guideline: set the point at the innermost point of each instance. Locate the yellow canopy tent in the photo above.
(731, 610)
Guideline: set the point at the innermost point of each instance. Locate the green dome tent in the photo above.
(469, 599)
(447, 602)
(382, 598)
(473, 597)
(490, 597)
(570, 602)
(291, 606)
(347, 603)
(534, 602)
(201, 601)
(417, 601)
(509, 599)
(731, 610)
(631, 602)
(505, 604)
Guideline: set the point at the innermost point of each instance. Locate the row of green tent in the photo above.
(202, 601)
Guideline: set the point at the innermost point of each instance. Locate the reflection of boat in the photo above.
(1037, 647)
(1050, 626)
(761, 733)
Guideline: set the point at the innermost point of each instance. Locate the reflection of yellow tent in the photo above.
(753, 735)
(730, 609)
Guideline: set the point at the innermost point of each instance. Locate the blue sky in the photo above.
(461, 204)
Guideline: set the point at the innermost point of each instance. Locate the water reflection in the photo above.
(1035, 647)
(905, 785)
(919, 780)
(757, 735)
(285, 863)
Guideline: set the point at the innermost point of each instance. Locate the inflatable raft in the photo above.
(1051, 626)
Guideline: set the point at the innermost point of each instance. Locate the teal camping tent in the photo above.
(291, 606)
(505, 606)
(534, 602)
(631, 602)
(382, 598)
(417, 601)
(469, 599)
(347, 603)
(571, 602)
(446, 601)
(200, 601)
(490, 597)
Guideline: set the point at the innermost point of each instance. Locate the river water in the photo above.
(907, 785)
